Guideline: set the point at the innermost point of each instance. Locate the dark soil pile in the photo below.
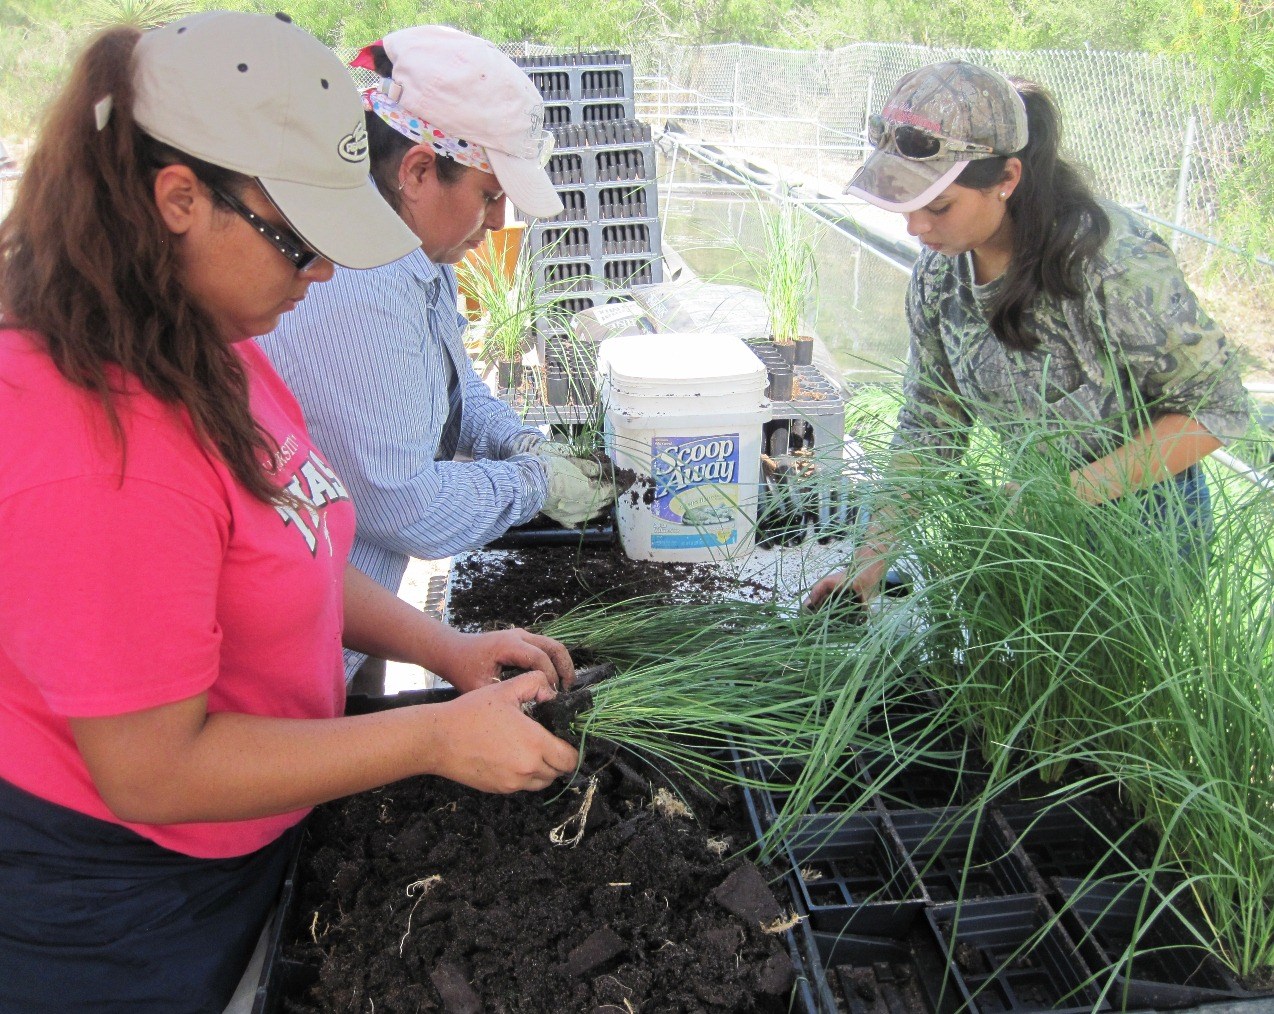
(426, 896)
(521, 587)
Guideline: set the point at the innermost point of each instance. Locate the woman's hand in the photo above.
(868, 570)
(824, 588)
(178, 763)
(471, 661)
(484, 739)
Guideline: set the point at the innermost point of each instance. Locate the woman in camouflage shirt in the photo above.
(1033, 305)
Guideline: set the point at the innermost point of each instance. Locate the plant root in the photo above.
(558, 714)
(667, 805)
(423, 886)
(580, 818)
(782, 925)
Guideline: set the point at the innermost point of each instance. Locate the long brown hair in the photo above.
(1057, 222)
(88, 264)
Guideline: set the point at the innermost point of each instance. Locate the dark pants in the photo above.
(1184, 498)
(96, 917)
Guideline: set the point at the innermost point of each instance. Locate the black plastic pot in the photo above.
(557, 352)
(803, 351)
(1011, 955)
(780, 382)
(852, 876)
(583, 388)
(509, 375)
(557, 386)
(1170, 968)
(788, 351)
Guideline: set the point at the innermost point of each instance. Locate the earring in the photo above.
(1003, 195)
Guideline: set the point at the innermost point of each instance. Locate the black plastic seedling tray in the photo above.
(934, 783)
(1012, 955)
(1170, 968)
(962, 854)
(871, 956)
(1078, 838)
(905, 973)
(852, 876)
(777, 780)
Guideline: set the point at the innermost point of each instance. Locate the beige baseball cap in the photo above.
(467, 88)
(967, 112)
(256, 94)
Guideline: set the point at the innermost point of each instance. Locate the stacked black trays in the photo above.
(607, 238)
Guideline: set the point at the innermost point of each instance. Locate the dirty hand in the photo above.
(491, 745)
(578, 489)
(869, 573)
(824, 588)
(474, 660)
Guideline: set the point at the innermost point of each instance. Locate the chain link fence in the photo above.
(1141, 124)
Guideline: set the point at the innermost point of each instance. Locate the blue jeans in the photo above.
(1183, 500)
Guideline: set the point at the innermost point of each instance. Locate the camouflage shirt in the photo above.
(1136, 338)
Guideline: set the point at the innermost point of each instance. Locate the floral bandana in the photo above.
(419, 129)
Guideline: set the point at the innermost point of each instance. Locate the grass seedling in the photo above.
(1080, 639)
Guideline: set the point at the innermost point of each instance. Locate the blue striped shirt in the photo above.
(364, 355)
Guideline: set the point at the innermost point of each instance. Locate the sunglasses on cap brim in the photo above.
(917, 144)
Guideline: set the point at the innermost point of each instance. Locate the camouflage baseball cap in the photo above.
(959, 110)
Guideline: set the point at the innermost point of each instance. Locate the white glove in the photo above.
(578, 489)
(528, 443)
(537, 443)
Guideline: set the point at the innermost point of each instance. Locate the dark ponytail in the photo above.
(1057, 223)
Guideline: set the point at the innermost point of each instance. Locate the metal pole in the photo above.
(1183, 179)
(734, 105)
(672, 172)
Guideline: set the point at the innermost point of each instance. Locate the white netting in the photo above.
(1134, 119)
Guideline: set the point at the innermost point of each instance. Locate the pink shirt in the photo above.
(120, 595)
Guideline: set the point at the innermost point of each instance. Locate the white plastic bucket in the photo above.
(684, 411)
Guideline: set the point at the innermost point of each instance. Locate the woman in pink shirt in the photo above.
(173, 545)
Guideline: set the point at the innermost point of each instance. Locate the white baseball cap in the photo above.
(467, 88)
(256, 94)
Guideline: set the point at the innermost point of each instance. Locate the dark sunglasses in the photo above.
(916, 143)
(281, 237)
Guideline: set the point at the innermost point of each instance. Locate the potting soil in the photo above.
(522, 587)
(427, 896)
